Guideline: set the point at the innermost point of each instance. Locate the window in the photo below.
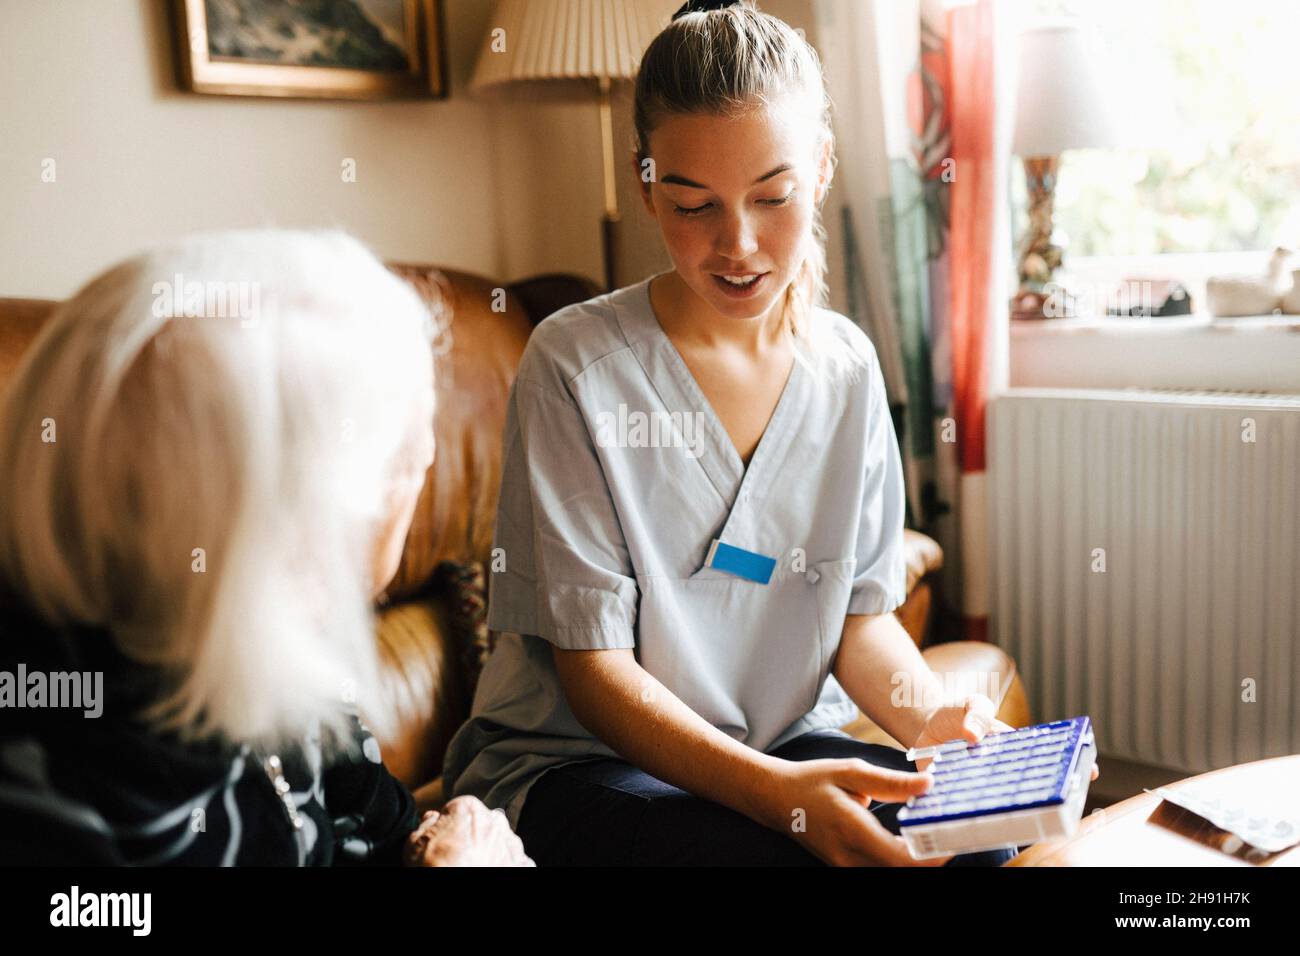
(1217, 79)
(1212, 82)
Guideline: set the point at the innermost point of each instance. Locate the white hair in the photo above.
(205, 481)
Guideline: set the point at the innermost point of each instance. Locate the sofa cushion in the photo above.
(474, 365)
(922, 554)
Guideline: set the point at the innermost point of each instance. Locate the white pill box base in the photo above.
(996, 831)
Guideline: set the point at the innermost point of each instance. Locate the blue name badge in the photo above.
(738, 561)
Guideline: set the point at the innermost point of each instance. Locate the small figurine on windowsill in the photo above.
(1245, 294)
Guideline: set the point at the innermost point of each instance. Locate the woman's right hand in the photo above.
(465, 833)
(835, 824)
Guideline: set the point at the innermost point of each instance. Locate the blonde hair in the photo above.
(205, 481)
(726, 62)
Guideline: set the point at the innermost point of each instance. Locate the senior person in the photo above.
(209, 461)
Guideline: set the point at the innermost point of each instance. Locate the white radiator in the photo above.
(1198, 530)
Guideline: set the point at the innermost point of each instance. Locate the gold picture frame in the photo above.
(418, 39)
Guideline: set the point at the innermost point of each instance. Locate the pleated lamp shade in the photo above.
(568, 39)
(1068, 98)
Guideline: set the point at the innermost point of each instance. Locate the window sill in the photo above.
(1253, 353)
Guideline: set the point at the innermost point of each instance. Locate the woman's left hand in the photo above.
(969, 719)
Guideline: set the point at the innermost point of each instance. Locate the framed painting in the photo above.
(322, 49)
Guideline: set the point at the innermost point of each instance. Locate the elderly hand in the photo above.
(465, 833)
(970, 718)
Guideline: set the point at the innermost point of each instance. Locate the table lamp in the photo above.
(589, 44)
(1063, 103)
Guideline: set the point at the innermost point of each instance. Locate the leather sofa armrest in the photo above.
(923, 557)
(989, 669)
(424, 681)
(922, 554)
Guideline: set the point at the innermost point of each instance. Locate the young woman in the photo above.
(701, 516)
(199, 505)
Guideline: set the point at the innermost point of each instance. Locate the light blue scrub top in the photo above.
(604, 529)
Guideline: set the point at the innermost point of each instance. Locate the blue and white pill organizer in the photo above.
(1010, 789)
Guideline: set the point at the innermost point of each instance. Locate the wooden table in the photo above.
(1148, 831)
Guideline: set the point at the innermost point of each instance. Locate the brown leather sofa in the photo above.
(428, 669)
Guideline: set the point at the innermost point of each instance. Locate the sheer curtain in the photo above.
(924, 93)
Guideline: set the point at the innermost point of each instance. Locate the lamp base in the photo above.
(1039, 258)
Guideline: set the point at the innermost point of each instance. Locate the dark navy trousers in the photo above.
(606, 812)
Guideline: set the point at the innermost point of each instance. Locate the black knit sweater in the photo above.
(109, 790)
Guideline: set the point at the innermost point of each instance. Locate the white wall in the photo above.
(1261, 354)
(502, 190)
(548, 190)
(505, 183)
